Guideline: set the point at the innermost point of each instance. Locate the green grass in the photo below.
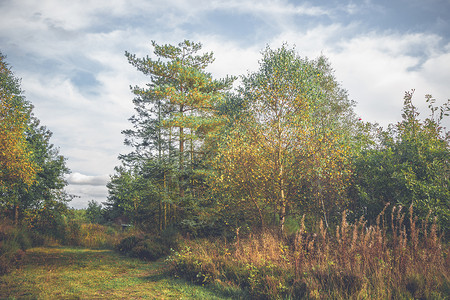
(76, 273)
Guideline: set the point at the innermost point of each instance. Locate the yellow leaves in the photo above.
(16, 164)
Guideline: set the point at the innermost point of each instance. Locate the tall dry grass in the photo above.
(96, 236)
(395, 258)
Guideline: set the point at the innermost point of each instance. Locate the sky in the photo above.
(70, 57)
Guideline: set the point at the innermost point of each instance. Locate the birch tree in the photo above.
(290, 153)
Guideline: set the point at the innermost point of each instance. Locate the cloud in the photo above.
(377, 67)
(276, 8)
(86, 188)
(81, 179)
(84, 193)
(70, 56)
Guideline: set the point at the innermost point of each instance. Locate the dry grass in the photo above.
(99, 237)
(395, 258)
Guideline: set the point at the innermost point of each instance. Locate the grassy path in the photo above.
(71, 273)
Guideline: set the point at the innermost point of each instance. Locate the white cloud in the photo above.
(230, 58)
(378, 67)
(84, 193)
(50, 41)
(437, 71)
(270, 7)
(81, 179)
(86, 188)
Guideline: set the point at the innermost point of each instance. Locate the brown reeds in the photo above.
(396, 260)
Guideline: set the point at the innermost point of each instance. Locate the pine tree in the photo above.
(175, 114)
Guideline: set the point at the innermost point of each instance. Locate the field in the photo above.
(78, 273)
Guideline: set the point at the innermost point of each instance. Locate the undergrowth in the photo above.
(149, 247)
(16, 239)
(13, 243)
(96, 236)
(393, 259)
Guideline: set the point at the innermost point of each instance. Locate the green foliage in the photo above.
(133, 196)
(32, 180)
(286, 143)
(127, 244)
(288, 146)
(94, 212)
(354, 262)
(149, 247)
(409, 166)
(17, 168)
(13, 242)
(96, 236)
(162, 181)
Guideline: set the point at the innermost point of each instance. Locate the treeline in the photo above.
(284, 143)
(33, 202)
(297, 195)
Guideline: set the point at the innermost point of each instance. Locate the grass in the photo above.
(396, 258)
(78, 273)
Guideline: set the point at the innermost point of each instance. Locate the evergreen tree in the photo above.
(175, 115)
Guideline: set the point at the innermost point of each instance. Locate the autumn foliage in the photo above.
(16, 164)
(32, 197)
(356, 261)
(296, 196)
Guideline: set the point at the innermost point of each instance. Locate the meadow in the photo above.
(398, 257)
(275, 189)
(79, 273)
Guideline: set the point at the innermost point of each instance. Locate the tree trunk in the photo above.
(282, 217)
(181, 156)
(191, 163)
(16, 214)
(261, 219)
(319, 184)
(160, 163)
(320, 194)
(283, 201)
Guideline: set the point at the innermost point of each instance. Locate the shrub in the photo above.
(127, 244)
(150, 247)
(22, 238)
(99, 236)
(386, 260)
(13, 243)
(72, 234)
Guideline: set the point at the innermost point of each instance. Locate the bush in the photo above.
(22, 238)
(149, 247)
(9, 260)
(127, 244)
(383, 261)
(13, 243)
(96, 236)
(197, 269)
(99, 236)
(72, 234)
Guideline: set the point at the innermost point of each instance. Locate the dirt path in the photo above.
(72, 273)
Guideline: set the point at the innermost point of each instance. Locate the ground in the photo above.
(76, 273)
